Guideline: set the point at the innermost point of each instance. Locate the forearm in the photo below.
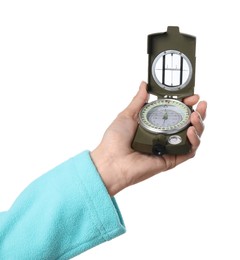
(60, 215)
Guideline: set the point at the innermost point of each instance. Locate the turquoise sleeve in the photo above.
(60, 215)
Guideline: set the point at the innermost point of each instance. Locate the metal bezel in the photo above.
(183, 109)
(171, 88)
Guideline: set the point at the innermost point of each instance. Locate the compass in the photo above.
(163, 123)
(165, 116)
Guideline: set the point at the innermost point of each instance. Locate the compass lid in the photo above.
(171, 63)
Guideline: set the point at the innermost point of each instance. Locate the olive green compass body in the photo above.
(163, 123)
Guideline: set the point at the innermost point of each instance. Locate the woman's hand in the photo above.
(120, 166)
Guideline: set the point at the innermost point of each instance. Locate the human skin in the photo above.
(120, 166)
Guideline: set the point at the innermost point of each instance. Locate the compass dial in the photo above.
(172, 70)
(165, 116)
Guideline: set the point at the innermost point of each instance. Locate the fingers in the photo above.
(198, 116)
(192, 100)
(202, 108)
(194, 140)
(195, 131)
(197, 122)
(138, 101)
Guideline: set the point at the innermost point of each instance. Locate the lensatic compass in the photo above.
(163, 123)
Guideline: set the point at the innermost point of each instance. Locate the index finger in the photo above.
(192, 100)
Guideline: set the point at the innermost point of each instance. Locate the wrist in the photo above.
(108, 171)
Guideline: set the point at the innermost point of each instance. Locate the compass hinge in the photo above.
(171, 97)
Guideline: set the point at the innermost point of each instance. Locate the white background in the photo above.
(67, 68)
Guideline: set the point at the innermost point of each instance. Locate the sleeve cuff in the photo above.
(105, 212)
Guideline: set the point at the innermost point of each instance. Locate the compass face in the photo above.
(165, 116)
(172, 70)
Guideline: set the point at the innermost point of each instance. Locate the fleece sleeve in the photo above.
(60, 215)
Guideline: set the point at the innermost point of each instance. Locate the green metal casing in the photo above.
(157, 144)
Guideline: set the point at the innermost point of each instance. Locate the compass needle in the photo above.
(165, 116)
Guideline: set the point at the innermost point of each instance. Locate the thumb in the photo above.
(138, 101)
